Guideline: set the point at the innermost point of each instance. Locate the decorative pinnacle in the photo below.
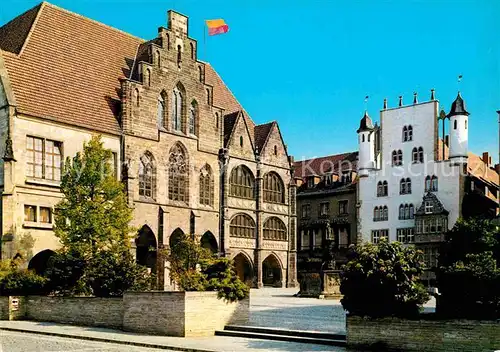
(385, 103)
(400, 100)
(433, 97)
(415, 100)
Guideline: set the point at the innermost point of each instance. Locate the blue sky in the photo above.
(309, 64)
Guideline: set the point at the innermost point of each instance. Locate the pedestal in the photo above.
(331, 284)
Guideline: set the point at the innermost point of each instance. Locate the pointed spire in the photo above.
(400, 100)
(415, 100)
(365, 124)
(433, 96)
(385, 103)
(458, 107)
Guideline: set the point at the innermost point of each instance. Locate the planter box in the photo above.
(181, 313)
(423, 335)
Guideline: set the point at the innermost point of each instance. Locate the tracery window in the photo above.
(177, 105)
(242, 225)
(160, 114)
(274, 191)
(206, 186)
(147, 176)
(178, 175)
(274, 229)
(242, 182)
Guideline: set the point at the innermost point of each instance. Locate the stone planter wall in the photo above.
(4, 308)
(90, 311)
(181, 313)
(423, 335)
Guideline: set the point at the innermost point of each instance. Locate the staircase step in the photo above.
(287, 338)
(285, 332)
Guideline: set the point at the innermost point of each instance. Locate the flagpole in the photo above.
(204, 43)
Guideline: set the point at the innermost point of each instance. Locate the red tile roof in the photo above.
(326, 164)
(261, 132)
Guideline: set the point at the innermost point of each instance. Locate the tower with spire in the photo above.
(459, 136)
(366, 140)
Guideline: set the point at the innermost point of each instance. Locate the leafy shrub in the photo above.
(468, 277)
(222, 278)
(112, 272)
(192, 280)
(65, 274)
(382, 280)
(22, 283)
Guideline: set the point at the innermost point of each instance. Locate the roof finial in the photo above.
(385, 103)
(433, 96)
(458, 83)
(400, 100)
(366, 103)
(415, 100)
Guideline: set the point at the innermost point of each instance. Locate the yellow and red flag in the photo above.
(217, 27)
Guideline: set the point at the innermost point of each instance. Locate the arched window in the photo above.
(401, 212)
(465, 124)
(363, 137)
(178, 175)
(427, 183)
(274, 191)
(402, 186)
(412, 211)
(206, 186)
(147, 176)
(407, 211)
(385, 213)
(380, 189)
(160, 113)
(242, 225)
(410, 133)
(193, 112)
(397, 158)
(408, 186)
(177, 107)
(376, 214)
(414, 155)
(242, 182)
(136, 97)
(200, 69)
(405, 134)
(208, 96)
(274, 229)
(434, 183)
(385, 188)
(192, 51)
(179, 56)
(420, 155)
(455, 124)
(158, 58)
(147, 78)
(241, 141)
(217, 120)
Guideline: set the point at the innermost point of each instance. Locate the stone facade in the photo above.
(177, 134)
(423, 335)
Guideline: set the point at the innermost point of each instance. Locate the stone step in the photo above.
(285, 332)
(288, 338)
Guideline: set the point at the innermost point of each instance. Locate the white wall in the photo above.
(422, 117)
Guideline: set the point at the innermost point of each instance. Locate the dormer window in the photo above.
(428, 207)
(310, 182)
(346, 177)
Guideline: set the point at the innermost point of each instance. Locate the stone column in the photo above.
(292, 232)
(258, 224)
(223, 194)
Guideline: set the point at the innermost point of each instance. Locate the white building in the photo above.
(411, 184)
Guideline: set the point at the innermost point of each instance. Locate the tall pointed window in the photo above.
(405, 186)
(193, 112)
(158, 58)
(178, 175)
(147, 78)
(147, 176)
(179, 56)
(405, 134)
(410, 133)
(242, 182)
(434, 184)
(274, 191)
(206, 186)
(242, 225)
(177, 103)
(208, 96)
(382, 189)
(427, 183)
(274, 229)
(420, 155)
(160, 114)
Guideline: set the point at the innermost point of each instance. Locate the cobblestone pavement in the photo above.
(11, 341)
(278, 308)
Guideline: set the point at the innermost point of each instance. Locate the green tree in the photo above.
(382, 280)
(93, 215)
(468, 277)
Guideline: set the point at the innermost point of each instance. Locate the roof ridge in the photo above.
(92, 20)
(32, 27)
(326, 156)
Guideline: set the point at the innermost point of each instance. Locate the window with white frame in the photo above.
(428, 207)
(377, 235)
(324, 209)
(405, 235)
(43, 158)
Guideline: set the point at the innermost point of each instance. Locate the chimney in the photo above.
(447, 140)
(497, 168)
(487, 159)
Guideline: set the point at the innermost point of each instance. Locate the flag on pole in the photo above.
(217, 27)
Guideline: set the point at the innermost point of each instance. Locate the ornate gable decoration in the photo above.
(431, 205)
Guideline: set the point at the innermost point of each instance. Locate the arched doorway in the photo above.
(244, 269)
(271, 271)
(208, 241)
(146, 248)
(40, 262)
(175, 237)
